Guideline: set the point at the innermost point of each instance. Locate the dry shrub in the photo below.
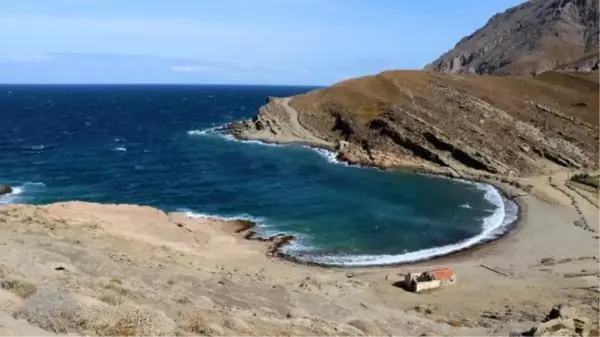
(193, 323)
(455, 323)
(20, 288)
(116, 280)
(53, 311)
(196, 324)
(112, 298)
(119, 288)
(134, 321)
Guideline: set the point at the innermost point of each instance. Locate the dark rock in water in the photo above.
(4, 189)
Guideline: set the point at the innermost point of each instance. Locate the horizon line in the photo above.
(159, 83)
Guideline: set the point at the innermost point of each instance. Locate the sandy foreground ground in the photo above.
(130, 270)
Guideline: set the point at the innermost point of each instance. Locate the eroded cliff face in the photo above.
(504, 126)
(533, 37)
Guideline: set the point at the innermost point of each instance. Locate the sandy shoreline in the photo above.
(171, 263)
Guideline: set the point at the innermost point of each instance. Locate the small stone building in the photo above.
(431, 279)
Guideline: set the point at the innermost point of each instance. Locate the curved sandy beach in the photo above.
(202, 276)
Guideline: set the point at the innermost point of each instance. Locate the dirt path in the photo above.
(584, 207)
(296, 128)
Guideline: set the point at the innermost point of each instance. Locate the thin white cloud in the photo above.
(25, 58)
(190, 69)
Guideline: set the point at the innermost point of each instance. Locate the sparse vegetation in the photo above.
(21, 288)
(53, 311)
(195, 324)
(116, 280)
(589, 179)
(134, 322)
(111, 298)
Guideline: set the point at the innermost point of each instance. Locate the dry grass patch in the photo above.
(20, 288)
(196, 323)
(135, 321)
(112, 298)
(53, 311)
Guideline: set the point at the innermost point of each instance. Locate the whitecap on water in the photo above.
(466, 206)
(200, 132)
(120, 149)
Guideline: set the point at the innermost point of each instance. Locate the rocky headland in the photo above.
(462, 126)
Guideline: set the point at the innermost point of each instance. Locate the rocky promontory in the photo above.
(506, 126)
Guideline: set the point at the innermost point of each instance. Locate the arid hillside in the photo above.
(517, 126)
(533, 37)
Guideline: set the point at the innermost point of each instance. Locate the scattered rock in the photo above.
(236, 324)
(548, 261)
(213, 329)
(365, 326)
(551, 327)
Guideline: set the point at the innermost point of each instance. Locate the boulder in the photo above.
(564, 321)
(5, 189)
(550, 327)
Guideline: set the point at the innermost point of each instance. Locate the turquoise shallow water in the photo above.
(154, 145)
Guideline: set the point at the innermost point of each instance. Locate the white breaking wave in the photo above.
(492, 227)
(330, 156)
(207, 131)
(260, 222)
(17, 192)
(122, 149)
(263, 228)
(466, 206)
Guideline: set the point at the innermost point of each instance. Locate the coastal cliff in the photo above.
(459, 125)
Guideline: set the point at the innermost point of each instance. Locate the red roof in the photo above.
(441, 273)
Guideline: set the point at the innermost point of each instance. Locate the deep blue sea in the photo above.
(155, 145)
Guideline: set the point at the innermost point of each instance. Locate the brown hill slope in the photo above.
(531, 38)
(460, 124)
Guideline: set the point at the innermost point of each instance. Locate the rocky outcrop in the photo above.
(4, 189)
(276, 122)
(589, 62)
(564, 321)
(533, 37)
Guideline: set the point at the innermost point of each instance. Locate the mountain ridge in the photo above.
(528, 39)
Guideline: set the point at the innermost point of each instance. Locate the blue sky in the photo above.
(306, 42)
